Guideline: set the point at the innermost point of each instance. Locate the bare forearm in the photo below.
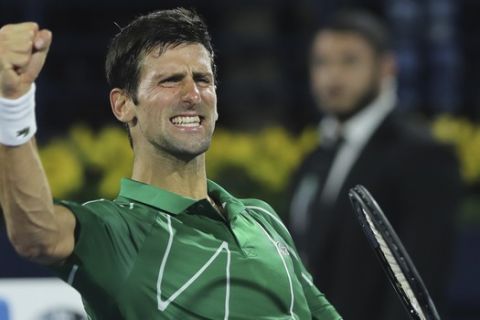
(37, 229)
(26, 198)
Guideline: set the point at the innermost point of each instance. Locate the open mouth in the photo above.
(186, 121)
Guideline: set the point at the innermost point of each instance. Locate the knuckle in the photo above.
(31, 27)
(34, 26)
(6, 27)
(10, 27)
(23, 60)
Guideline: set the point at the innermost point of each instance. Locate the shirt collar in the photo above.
(232, 205)
(360, 127)
(175, 203)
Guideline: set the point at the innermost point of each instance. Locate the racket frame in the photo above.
(365, 205)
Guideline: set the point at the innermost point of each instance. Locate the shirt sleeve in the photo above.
(319, 306)
(99, 245)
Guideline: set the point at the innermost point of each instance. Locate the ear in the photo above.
(122, 106)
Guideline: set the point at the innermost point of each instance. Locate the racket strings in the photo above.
(394, 266)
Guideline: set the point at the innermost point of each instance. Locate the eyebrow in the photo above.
(180, 75)
(203, 74)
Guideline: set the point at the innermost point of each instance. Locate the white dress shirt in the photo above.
(356, 132)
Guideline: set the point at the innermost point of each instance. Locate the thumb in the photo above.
(42, 40)
(41, 45)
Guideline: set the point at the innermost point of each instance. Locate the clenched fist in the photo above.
(23, 50)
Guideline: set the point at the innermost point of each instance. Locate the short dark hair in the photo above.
(363, 23)
(156, 30)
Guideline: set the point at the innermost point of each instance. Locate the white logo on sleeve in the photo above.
(282, 248)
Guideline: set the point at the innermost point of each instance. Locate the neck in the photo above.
(186, 178)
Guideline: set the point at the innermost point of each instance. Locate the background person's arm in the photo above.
(38, 229)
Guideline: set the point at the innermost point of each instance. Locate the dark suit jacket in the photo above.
(416, 182)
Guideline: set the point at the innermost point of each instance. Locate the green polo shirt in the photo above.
(153, 254)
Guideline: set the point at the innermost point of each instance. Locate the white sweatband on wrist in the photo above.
(17, 119)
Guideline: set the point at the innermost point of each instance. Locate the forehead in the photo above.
(180, 58)
(330, 40)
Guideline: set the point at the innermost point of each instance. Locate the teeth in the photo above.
(190, 121)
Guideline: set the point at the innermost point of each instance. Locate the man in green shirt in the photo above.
(173, 245)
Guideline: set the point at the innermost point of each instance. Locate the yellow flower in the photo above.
(268, 157)
(465, 137)
(83, 141)
(64, 170)
(114, 157)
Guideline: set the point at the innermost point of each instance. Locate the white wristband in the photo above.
(17, 119)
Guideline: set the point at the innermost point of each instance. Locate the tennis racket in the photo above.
(394, 258)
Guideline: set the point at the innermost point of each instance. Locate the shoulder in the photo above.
(308, 164)
(113, 215)
(416, 152)
(262, 210)
(412, 136)
(411, 129)
(311, 157)
(99, 208)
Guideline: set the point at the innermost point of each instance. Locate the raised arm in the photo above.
(38, 230)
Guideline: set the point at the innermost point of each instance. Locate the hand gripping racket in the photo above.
(394, 258)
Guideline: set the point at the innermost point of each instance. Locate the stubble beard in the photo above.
(362, 101)
(181, 150)
(360, 104)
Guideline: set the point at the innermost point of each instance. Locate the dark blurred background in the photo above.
(262, 49)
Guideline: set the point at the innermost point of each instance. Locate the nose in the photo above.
(191, 93)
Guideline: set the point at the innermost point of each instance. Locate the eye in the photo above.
(170, 81)
(203, 80)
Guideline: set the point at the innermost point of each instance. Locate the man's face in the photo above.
(177, 102)
(344, 72)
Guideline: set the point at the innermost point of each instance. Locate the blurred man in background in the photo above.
(364, 141)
